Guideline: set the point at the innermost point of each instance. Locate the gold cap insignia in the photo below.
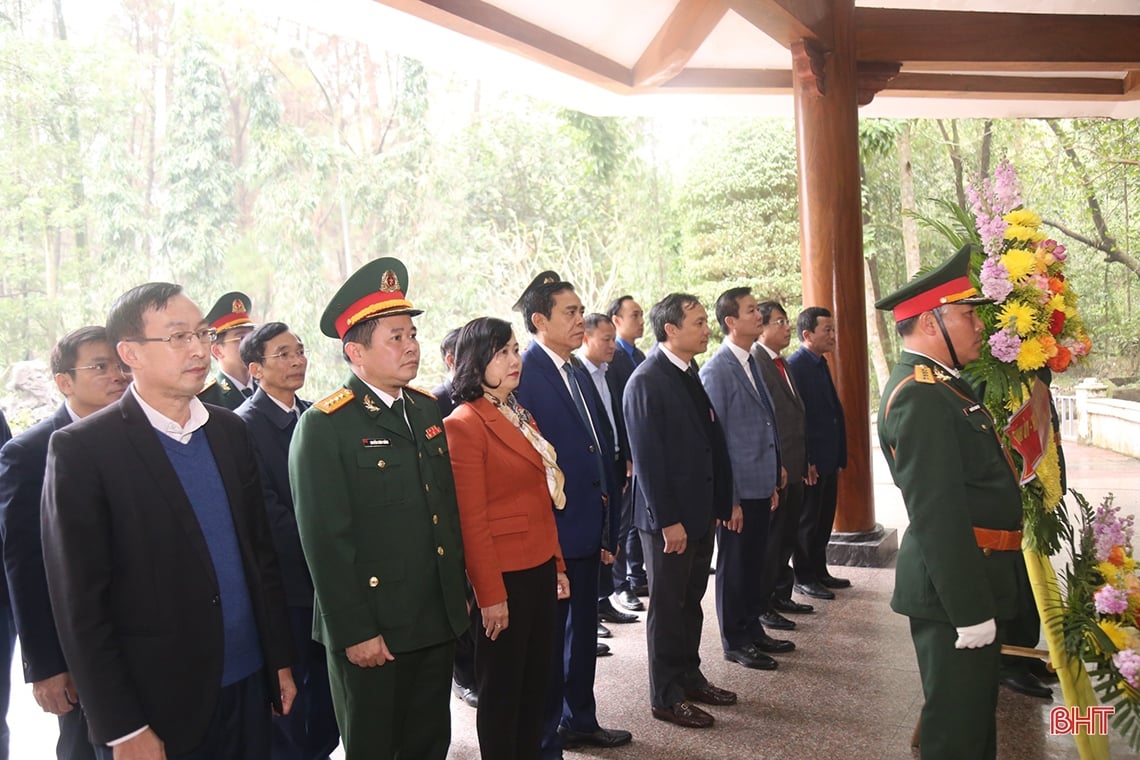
(389, 283)
(238, 306)
(547, 280)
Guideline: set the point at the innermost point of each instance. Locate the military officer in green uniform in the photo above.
(376, 511)
(232, 385)
(958, 562)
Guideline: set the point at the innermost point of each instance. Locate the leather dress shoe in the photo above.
(1041, 670)
(814, 589)
(684, 714)
(750, 657)
(830, 581)
(603, 737)
(766, 643)
(780, 604)
(641, 589)
(607, 613)
(603, 650)
(627, 599)
(1026, 683)
(777, 621)
(711, 695)
(469, 696)
(604, 633)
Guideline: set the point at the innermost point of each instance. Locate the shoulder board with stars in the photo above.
(334, 401)
(420, 391)
(923, 374)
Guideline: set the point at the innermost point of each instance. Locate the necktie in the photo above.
(398, 410)
(580, 403)
(759, 384)
(784, 371)
(247, 391)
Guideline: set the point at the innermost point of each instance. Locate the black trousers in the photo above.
(778, 578)
(239, 728)
(816, 521)
(7, 648)
(740, 561)
(463, 670)
(73, 743)
(309, 731)
(513, 671)
(677, 584)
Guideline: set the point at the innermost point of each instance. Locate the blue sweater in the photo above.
(200, 478)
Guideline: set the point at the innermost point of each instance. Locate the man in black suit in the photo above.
(276, 359)
(827, 452)
(87, 372)
(629, 569)
(777, 578)
(682, 484)
(160, 565)
(7, 635)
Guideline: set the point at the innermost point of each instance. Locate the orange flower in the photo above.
(1057, 284)
(1049, 345)
(1116, 556)
(1061, 360)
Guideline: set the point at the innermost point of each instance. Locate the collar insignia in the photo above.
(369, 404)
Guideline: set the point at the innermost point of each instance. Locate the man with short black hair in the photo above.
(682, 484)
(442, 392)
(567, 408)
(87, 372)
(276, 360)
(163, 578)
(826, 449)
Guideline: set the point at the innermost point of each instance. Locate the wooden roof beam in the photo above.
(486, 23)
(786, 21)
(968, 38)
(965, 85)
(687, 27)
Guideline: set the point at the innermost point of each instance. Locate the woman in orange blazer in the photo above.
(507, 482)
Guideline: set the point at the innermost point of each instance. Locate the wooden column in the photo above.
(831, 238)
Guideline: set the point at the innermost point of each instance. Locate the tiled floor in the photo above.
(850, 690)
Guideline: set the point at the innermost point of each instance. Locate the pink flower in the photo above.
(1111, 601)
(995, 279)
(1005, 345)
(1127, 661)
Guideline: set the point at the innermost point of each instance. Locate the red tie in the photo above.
(783, 371)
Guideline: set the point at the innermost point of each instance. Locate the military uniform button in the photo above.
(381, 464)
(435, 519)
(439, 550)
(440, 450)
(427, 488)
(987, 551)
(373, 581)
(419, 455)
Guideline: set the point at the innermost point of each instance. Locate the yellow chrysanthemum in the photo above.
(1018, 262)
(1023, 217)
(1018, 232)
(1021, 316)
(1115, 632)
(1031, 356)
(1056, 303)
(1049, 473)
(1113, 574)
(1015, 399)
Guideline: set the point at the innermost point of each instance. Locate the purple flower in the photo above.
(1110, 600)
(995, 279)
(1005, 345)
(1006, 189)
(1127, 661)
(1110, 529)
(1059, 253)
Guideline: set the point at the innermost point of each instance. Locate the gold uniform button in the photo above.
(420, 455)
(427, 488)
(987, 551)
(435, 519)
(373, 581)
(439, 551)
(381, 464)
(440, 449)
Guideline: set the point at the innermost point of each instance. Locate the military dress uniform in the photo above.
(958, 562)
(379, 524)
(230, 312)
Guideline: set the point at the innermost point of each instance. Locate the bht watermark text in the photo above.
(1071, 720)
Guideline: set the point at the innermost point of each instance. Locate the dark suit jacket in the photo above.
(22, 462)
(826, 428)
(790, 419)
(271, 429)
(133, 588)
(543, 393)
(504, 501)
(681, 471)
(443, 399)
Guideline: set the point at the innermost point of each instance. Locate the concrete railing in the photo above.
(1090, 418)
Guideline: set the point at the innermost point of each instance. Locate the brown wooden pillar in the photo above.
(831, 238)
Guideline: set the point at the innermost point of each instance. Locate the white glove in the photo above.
(975, 636)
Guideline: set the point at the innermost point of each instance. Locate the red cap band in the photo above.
(947, 292)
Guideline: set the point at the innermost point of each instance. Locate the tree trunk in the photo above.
(876, 337)
(950, 139)
(906, 191)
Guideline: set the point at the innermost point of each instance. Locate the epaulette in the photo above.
(923, 374)
(335, 400)
(209, 383)
(420, 391)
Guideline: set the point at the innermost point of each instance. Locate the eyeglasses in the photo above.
(781, 322)
(103, 368)
(288, 355)
(182, 339)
